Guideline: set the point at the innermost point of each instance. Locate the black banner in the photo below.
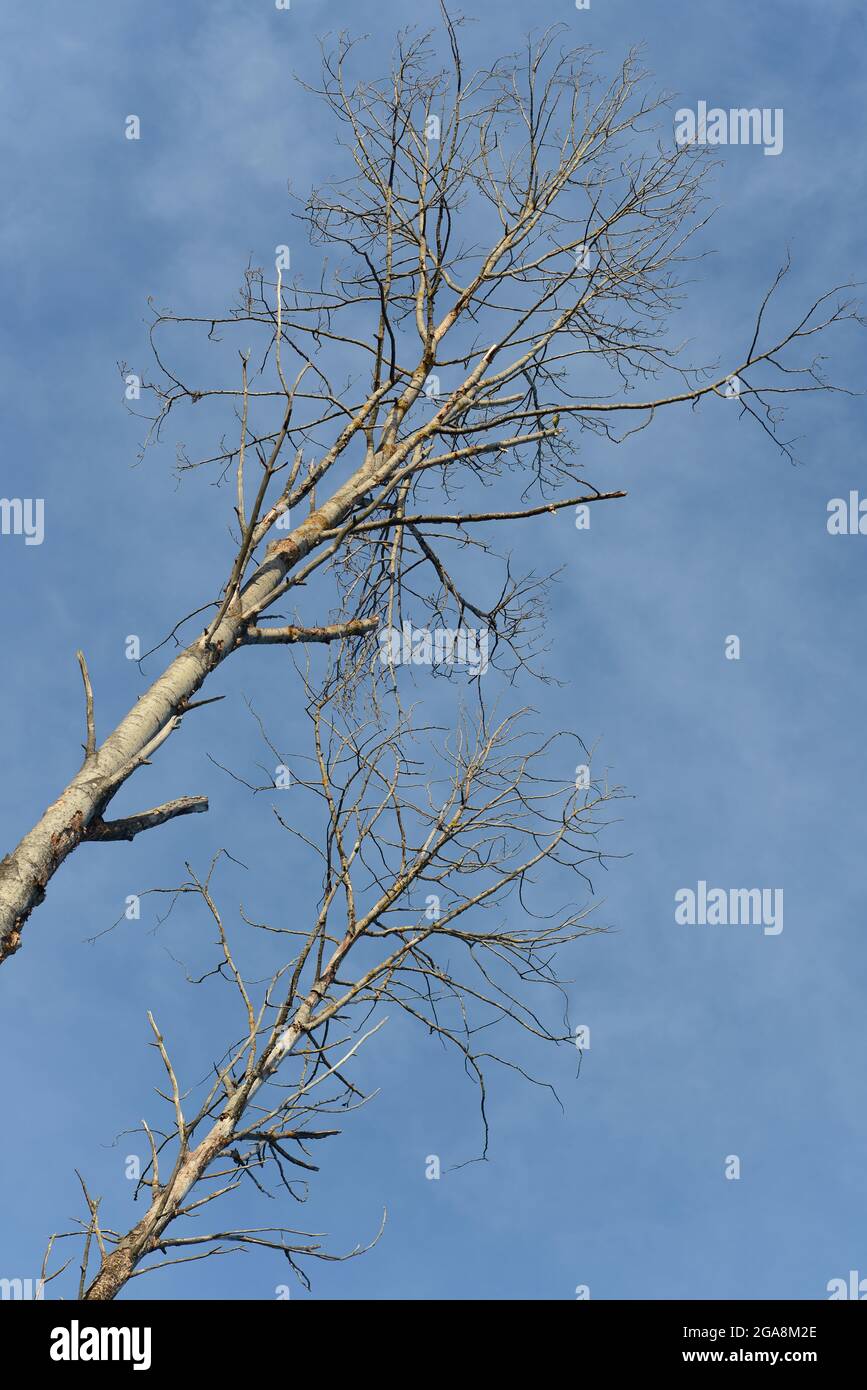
(222, 1339)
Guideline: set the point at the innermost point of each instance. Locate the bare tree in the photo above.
(428, 849)
(508, 249)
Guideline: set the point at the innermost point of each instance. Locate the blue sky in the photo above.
(705, 1041)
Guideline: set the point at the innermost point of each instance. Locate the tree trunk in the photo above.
(25, 873)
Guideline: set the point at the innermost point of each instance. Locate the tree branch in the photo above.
(90, 746)
(331, 632)
(129, 826)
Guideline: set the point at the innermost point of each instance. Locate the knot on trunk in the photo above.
(287, 549)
